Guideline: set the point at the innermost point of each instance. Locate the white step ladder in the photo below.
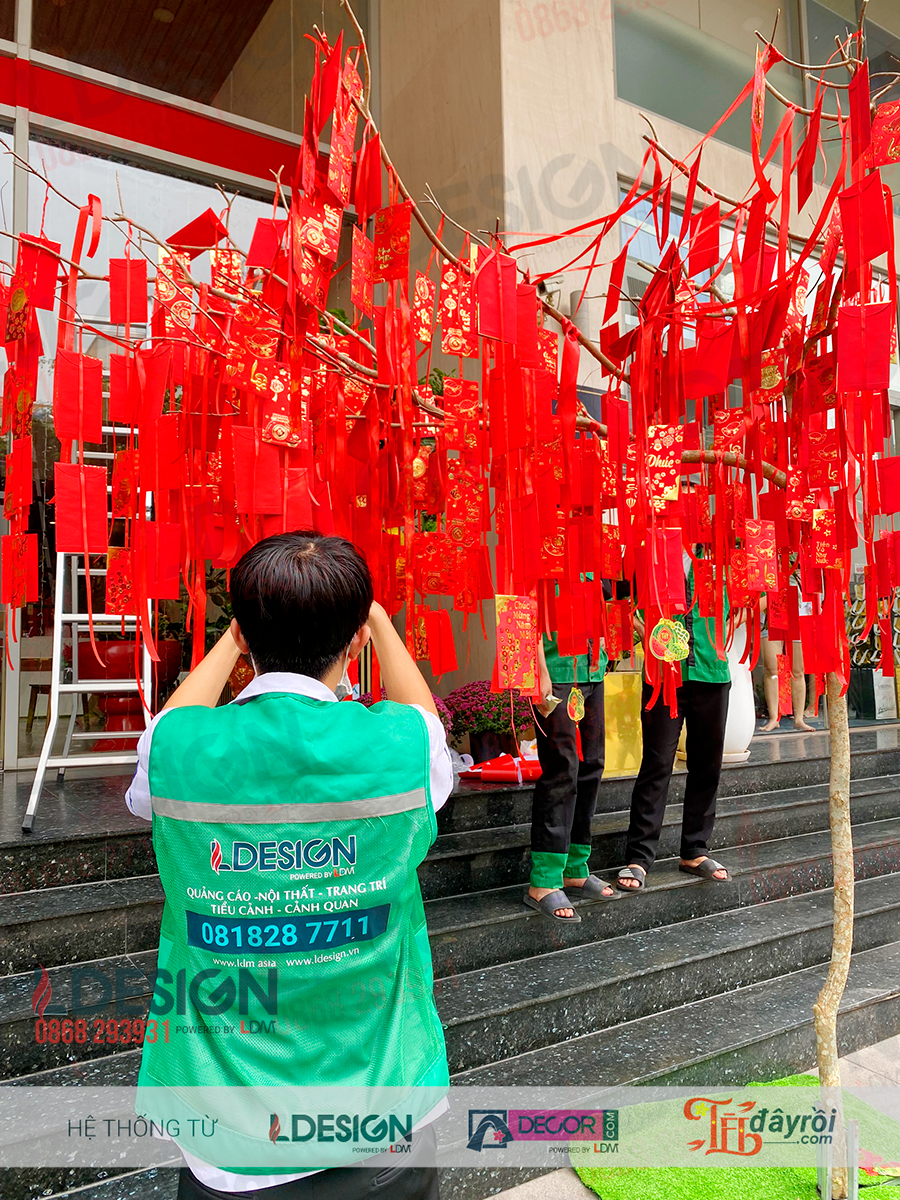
(67, 568)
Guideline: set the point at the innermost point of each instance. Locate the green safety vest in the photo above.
(287, 832)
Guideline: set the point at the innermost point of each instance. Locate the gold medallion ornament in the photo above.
(575, 705)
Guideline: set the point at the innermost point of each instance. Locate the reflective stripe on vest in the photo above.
(271, 814)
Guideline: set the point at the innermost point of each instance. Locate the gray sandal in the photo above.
(627, 873)
(593, 889)
(548, 905)
(706, 870)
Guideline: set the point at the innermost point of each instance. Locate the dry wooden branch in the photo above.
(825, 1009)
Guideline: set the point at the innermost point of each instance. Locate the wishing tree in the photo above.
(251, 409)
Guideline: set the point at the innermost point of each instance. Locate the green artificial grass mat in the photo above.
(879, 1135)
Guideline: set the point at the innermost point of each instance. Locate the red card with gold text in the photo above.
(759, 542)
(362, 272)
(423, 308)
(517, 662)
(392, 242)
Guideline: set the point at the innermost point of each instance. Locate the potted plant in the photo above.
(494, 721)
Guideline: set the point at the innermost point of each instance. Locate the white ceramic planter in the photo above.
(741, 723)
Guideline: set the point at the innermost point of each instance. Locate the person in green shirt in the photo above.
(702, 700)
(565, 796)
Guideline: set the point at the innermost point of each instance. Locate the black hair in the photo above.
(299, 599)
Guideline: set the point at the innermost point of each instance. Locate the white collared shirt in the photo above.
(138, 795)
(138, 800)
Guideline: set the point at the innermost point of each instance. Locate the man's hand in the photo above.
(546, 689)
(402, 679)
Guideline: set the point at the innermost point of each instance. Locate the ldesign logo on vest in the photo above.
(316, 854)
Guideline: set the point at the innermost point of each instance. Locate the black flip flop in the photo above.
(548, 905)
(593, 889)
(627, 873)
(706, 870)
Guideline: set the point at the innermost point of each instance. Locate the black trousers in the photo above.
(703, 708)
(565, 796)
(416, 1179)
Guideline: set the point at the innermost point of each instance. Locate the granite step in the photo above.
(759, 1032)
(85, 834)
(538, 1002)
(763, 1031)
(805, 761)
(51, 926)
(493, 857)
(473, 931)
(762, 872)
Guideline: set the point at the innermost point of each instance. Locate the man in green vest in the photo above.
(702, 705)
(565, 796)
(293, 1030)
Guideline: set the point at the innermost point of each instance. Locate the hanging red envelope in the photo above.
(434, 558)
(759, 543)
(172, 291)
(619, 634)
(19, 481)
(461, 398)
(771, 382)
(80, 501)
(607, 473)
(729, 429)
(226, 270)
(317, 225)
(738, 590)
(78, 397)
(864, 347)
(18, 309)
(824, 541)
(267, 237)
(495, 295)
(313, 276)
(123, 498)
(367, 192)
(457, 310)
(528, 326)
(18, 402)
(362, 272)
(423, 308)
(392, 242)
(820, 379)
(660, 571)
(865, 222)
(340, 160)
(198, 235)
(610, 552)
(124, 392)
(549, 343)
(517, 634)
(19, 569)
(824, 458)
(800, 500)
(128, 291)
(37, 262)
(707, 366)
(695, 519)
(888, 475)
(703, 254)
(441, 646)
(886, 134)
(663, 463)
(162, 551)
(258, 478)
(162, 456)
(420, 634)
(777, 620)
(120, 598)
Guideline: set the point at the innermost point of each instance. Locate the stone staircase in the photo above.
(687, 982)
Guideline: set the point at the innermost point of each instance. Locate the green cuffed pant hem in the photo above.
(577, 863)
(547, 869)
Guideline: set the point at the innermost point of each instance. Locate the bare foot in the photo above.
(803, 727)
(771, 724)
(810, 716)
(632, 884)
(576, 884)
(695, 862)
(540, 893)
